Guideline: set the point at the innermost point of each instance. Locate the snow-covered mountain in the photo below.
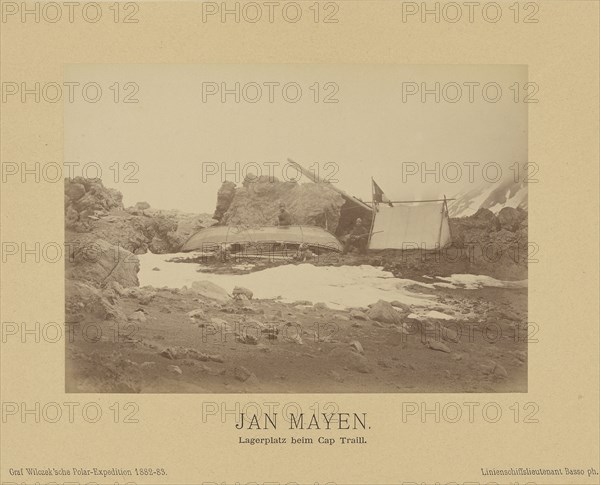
(489, 196)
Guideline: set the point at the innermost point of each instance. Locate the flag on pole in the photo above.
(378, 195)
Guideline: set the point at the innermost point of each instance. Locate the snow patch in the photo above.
(474, 282)
(339, 286)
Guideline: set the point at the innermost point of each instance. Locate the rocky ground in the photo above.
(199, 341)
(124, 338)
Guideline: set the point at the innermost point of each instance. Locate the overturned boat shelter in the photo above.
(237, 237)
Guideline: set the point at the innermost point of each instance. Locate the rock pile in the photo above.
(484, 226)
(85, 198)
(90, 207)
(256, 203)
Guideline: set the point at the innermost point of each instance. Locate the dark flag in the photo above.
(378, 195)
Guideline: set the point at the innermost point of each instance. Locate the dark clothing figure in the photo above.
(357, 238)
(285, 219)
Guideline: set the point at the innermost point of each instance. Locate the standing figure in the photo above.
(284, 218)
(357, 238)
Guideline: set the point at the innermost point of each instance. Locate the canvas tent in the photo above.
(411, 225)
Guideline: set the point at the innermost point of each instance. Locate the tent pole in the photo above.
(417, 201)
(441, 223)
(316, 179)
(447, 215)
(374, 213)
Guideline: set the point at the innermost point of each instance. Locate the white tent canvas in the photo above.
(414, 225)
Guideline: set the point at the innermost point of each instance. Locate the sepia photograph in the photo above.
(298, 229)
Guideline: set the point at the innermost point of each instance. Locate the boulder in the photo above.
(483, 219)
(351, 360)
(449, 334)
(197, 314)
(383, 311)
(142, 206)
(209, 290)
(116, 287)
(357, 314)
(225, 196)
(99, 263)
(71, 218)
(167, 354)
(240, 290)
(74, 191)
(402, 306)
(162, 225)
(435, 345)
(175, 369)
(242, 374)
(521, 355)
(500, 371)
(137, 316)
(219, 322)
(84, 298)
(301, 302)
(143, 295)
(357, 346)
(95, 197)
(510, 219)
(159, 246)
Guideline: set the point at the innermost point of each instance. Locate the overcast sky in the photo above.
(178, 129)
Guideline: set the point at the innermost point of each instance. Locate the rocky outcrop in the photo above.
(256, 203)
(102, 239)
(95, 274)
(85, 198)
(155, 231)
(98, 263)
(483, 219)
(83, 298)
(224, 199)
(92, 208)
(487, 243)
(485, 228)
(169, 229)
